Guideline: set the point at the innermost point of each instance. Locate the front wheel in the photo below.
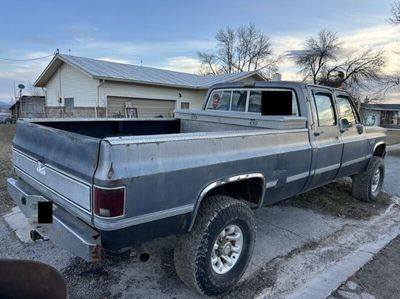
(215, 254)
(367, 185)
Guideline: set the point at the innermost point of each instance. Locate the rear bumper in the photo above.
(66, 231)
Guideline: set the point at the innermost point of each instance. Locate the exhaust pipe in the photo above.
(35, 235)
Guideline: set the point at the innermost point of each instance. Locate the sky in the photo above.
(168, 34)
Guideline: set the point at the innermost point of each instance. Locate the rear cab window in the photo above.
(263, 101)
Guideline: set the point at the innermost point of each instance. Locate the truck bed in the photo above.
(185, 122)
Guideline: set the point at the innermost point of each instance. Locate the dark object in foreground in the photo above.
(29, 279)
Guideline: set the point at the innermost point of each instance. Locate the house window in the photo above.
(185, 105)
(69, 104)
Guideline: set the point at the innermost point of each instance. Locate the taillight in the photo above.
(109, 202)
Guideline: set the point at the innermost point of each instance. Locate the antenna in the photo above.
(21, 87)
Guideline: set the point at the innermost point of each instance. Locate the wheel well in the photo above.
(249, 190)
(380, 150)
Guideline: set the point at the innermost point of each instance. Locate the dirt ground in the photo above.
(6, 134)
(336, 199)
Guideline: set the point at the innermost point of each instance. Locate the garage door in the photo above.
(134, 107)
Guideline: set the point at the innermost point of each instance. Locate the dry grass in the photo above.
(6, 135)
(393, 137)
(335, 199)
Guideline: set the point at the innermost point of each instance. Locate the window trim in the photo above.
(333, 103)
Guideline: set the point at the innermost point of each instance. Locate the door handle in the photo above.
(318, 133)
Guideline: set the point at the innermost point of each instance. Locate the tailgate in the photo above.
(61, 161)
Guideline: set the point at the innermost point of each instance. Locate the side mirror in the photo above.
(360, 128)
(344, 124)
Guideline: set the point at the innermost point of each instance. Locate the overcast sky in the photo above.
(168, 34)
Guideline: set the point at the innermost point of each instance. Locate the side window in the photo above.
(346, 109)
(239, 98)
(325, 109)
(220, 100)
(255, 101)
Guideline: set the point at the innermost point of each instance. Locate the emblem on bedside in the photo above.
(41, 168)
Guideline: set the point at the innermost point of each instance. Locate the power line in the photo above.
(29, 59)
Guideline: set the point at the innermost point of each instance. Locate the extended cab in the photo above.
(116, 183)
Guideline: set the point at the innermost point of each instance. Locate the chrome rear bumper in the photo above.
(66, 230)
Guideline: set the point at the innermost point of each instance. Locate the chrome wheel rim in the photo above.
(375, 180)
(227, 249)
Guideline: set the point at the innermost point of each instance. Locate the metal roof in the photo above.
(112, 71)
(381, 106)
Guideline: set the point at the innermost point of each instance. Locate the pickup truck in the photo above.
(116, 183)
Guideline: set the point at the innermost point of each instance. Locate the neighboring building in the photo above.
(29, 107)
(384, 115)
(5, 106)
(84, 87)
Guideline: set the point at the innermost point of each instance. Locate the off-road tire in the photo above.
(362, 183)
(192, 256)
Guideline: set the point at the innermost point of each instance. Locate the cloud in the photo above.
(157, 47)
(181, 64)
(25, 72)
(180, 55)
(83, 33)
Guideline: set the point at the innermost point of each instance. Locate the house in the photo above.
(84, 87)
(29, 107)
(384, 115)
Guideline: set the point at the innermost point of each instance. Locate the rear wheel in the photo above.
(367, 185)
(215, 254)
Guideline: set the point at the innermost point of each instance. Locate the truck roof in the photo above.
(264, 84)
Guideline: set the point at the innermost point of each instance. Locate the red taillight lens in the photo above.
(109, 202)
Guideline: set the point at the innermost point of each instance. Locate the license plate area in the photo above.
(45, 212)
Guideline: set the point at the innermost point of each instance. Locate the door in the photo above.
(352, 134)
(325, 139)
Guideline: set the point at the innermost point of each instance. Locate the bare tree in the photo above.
(395, 19)
(321, 62)
(241, 50)
(316, 54)
(35, 91)
(359, 69)
(392, 81)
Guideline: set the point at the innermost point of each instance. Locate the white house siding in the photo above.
(68, 82)
(150, 92)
